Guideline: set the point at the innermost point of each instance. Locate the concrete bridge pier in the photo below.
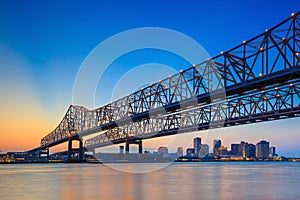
(73, 151)
(137, 142)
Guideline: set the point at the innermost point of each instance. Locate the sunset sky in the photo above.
(43, 44)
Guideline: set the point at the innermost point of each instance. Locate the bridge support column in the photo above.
(140, 147)
(69, 150)
(127, 148)
(81, 152)
(138, 142)
(72, 151)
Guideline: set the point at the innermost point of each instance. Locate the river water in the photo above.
(230, 180)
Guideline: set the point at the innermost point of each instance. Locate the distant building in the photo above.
(121, 149)
(251, 151)
(244, 149)
(190, 152)
(197, 145)
(222, 151)
(16, 157)
(216, 146)
(262, 150)
(2, 157)
(146, 152)
(204, 151)
(179, 151)
(234, 149)
(163, 150)
(272, 152)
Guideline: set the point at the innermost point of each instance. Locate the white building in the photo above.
(204, 150)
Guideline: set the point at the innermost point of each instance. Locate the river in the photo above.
(220, 180)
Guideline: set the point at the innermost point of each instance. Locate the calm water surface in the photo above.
(177, 181)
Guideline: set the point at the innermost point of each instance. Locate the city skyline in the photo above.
(42, 49)
(197, 141)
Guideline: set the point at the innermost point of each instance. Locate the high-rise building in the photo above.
(179, 151)
(216, 146)
(197, 145)
(272, 152)
(243, 149)
(234, 149)
(251, 151)
(262, 150)
(204, 151)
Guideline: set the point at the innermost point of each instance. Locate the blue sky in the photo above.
(43, 44)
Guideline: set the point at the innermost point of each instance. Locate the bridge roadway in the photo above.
(268, 60)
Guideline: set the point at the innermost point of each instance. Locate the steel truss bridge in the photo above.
(256, 81)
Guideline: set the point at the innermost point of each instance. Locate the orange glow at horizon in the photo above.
(22, 124)
(22, 127)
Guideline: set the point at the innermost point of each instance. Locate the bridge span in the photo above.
(256, 81)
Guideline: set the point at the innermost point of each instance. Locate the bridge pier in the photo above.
(138, 142)
(72, 151)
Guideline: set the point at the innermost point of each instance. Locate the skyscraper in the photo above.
(243, 149)
(251, 151)
(197, 145)
(204, 150)
(216, 146)
(262, 150)
(234, 149)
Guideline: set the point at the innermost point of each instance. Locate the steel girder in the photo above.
(269, 58)
(276, 102)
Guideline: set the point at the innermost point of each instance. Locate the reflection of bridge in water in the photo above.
(255, 81)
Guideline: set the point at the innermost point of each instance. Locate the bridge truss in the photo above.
(254, 81)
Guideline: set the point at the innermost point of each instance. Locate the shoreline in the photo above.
(146, 162)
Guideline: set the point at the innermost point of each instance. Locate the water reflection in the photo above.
(177, 181)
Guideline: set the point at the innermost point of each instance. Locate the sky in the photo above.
(44, 43)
